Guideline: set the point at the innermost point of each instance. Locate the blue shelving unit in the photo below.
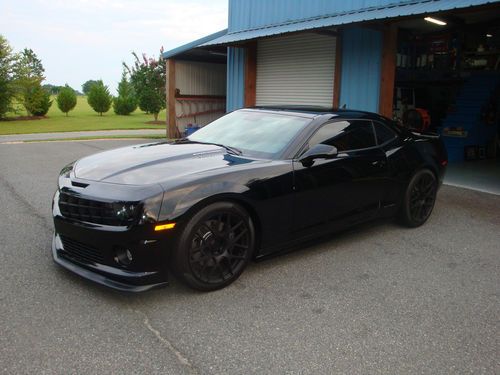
(474, 94)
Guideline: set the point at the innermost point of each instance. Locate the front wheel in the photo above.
(419, 199)
(215, 246)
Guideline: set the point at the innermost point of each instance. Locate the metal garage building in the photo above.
(383, 56)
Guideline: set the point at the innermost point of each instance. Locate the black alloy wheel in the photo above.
(419, 198)
(215, 247)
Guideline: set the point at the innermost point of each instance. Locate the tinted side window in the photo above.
(384, 133)
(345, 135)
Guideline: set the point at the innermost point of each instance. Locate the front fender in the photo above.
(178, 202)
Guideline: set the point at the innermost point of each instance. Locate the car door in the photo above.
(388, 142)
(346, 188)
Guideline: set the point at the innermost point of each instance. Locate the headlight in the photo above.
(65, 172)
(125, 211)
(151, 209)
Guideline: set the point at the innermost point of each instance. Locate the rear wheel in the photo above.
(419, 199)
(215, 246)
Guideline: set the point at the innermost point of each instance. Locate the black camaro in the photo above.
(249, 184)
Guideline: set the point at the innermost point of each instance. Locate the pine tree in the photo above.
(28, 76)
(66, 100)
(99, 98)
(37, 101)
(126, 102)
(6, 79)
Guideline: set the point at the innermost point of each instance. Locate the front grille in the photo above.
(93, 211)
(81, 251)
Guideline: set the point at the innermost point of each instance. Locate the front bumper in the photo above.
(123, 280)
(90, 250)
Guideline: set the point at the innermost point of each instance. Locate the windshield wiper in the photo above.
(232, 150)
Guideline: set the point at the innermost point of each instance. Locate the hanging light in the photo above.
(435, 20)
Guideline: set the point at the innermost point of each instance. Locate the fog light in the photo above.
(123, 257)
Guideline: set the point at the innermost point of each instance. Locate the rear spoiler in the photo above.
(429, 135)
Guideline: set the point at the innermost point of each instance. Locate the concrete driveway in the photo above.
(379, 299)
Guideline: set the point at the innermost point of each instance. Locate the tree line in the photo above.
(21, 75)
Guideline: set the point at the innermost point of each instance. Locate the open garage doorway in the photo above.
(448, 81)
(195, 85)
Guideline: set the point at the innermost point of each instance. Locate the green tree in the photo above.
(37, 101)
(52, 89)
(99, 98)
(148, 79)
(151, 102)
(28, 66)
(126, 102)
(28, 75)
(87, 85)
(66, 100)
(6, 77)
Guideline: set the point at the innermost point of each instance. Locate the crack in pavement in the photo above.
(24, 202)
(180, 357)
(91, 146)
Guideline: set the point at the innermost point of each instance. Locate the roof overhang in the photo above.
(193, 50)
(392, 11)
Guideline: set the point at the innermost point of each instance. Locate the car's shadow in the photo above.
(288, 256)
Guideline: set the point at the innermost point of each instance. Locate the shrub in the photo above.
(66, 100)
(37, 101)
(99, 98)
(126, 102)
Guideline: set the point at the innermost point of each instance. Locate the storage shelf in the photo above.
(201, 113)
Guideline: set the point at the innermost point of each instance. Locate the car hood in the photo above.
(154, 163)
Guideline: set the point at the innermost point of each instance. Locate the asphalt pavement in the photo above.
(377, 299)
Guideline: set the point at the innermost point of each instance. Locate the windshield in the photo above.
(259, 134)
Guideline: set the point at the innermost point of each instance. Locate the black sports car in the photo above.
(249, 184)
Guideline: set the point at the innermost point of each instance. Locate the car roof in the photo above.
(312, 111)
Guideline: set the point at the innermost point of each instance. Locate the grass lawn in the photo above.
(90, 138)
(81, 118)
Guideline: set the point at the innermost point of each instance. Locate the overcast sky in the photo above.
(79, 40)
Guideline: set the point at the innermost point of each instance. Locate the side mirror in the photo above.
(319, 151)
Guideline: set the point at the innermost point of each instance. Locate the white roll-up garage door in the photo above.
(296, 70)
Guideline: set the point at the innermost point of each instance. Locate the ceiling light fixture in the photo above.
(435, 20)
(489, 36)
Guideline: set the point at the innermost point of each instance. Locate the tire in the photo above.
(419, 199)
(215, 246)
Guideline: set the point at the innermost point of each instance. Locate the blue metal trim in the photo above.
(391, 10)
(193, 44)
(361, 69)
(235, 93)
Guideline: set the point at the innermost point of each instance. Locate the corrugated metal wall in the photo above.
(235, 97)
(249, 14)
(296, 69)
(199, 78)
(361, 69)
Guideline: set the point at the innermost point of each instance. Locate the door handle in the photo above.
(378, 163)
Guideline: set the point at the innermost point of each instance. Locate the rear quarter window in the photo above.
(345, 135)
(383, 133)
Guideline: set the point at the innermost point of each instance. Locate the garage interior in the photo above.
(448, 81)
(196, 86)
